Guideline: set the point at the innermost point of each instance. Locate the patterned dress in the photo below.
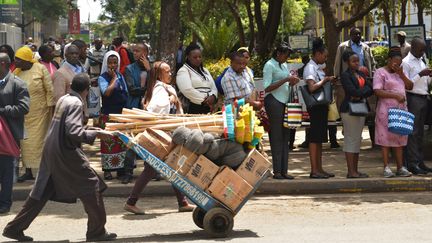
(387, 81)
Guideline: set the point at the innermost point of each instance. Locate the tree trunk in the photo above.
(169, 31)
(331, 34)
(267, 31)
(386, 13)
(420, 11)
(403, 12)
(236, 14)
(251, 25)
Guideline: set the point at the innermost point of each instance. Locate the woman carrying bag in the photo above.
(277, 81)
(389, 86)
(317, 82)
(353, 111)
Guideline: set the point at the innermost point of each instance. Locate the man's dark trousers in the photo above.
(6, 180)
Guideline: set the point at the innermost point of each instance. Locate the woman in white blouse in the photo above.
(160, 98)
(195, 83)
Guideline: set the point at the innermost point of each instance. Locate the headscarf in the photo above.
(26, 54)
(105, 61)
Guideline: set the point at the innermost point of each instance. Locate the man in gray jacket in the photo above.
(65, 173)
(14, 104)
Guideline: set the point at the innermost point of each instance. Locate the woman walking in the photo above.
(160, 98)
(114, 97)
(357, 89)
(277, 81)
(41, 109)
(317, 135)
(389, 86)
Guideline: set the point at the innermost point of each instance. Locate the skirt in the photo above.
(113, 151)
(318, 124)
(353, 128)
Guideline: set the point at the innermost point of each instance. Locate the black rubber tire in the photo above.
(198, 217)
(218, 222)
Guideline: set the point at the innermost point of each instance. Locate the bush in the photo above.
(216, 67)
(380, 54)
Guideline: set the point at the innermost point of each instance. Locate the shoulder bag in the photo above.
(322, 96)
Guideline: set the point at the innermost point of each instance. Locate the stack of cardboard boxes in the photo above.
(223, 183)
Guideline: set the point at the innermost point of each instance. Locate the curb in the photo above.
(278, 187)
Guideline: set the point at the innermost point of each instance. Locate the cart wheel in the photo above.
(198, 217)
(218, 222)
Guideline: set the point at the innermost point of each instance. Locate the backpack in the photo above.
(218, 81)
(129, 53)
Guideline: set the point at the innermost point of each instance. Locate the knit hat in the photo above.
(26, 54)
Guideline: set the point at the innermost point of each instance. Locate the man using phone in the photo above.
(417, 71)
(136, 75)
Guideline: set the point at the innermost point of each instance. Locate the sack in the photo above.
(293, 112)
(333, 114)
(322, 96)
(8, 145)
(400, 121)
(358, 108)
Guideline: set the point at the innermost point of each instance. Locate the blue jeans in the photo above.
(6, 180)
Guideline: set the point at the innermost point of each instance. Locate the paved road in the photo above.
(388, 217)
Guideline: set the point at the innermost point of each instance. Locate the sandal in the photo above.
(318, 176)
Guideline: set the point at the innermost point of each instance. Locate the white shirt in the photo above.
(412, 66)
(313, 71)
(160, 102)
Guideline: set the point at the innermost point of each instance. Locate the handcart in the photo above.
(210, 214)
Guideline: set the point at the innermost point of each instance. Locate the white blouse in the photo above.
(194, 86)
(160, 102)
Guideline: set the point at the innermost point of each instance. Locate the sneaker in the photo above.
(388, 173)
(403, 172)
(133, 209)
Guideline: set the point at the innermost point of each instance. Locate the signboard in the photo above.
(74, 21)
(10, 11)
(299, 42)
(411, 31)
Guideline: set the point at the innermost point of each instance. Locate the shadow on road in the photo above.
(188, 236)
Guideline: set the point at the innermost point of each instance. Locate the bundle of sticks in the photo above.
(135, 121)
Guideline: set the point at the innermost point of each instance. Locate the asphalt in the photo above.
(299, 166)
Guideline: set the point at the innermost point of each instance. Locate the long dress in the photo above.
(113, 151)
(387, 81)
(39, 117)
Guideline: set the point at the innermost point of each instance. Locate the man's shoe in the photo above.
(17, 236)
(25, 177)
(105, 237)
(4, 210)
(127, 179)
(133, 209)
(334, 145)
(304, 145)
(416, 170)
(424, 167)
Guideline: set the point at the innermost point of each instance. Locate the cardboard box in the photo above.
(254, 167)
(229, 188)
(202, 172)
(157, 142)
(181, 159)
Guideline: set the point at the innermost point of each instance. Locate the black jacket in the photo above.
(14, 104)
(352, 88)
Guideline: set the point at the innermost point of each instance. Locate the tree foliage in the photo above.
(42, 10)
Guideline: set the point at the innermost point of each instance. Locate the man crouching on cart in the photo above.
(65, 173)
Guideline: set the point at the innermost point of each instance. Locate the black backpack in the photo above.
(130, 54)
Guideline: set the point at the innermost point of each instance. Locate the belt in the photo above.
(418, 95)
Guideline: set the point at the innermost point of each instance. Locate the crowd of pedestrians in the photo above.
(31, 85)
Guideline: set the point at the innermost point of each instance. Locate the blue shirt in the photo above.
(76, 69)
(273, 72)
(357, 48)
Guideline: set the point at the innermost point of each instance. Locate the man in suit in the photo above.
(14, 104)
(367, 66)
(62, 78)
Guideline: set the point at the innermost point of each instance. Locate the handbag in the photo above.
(358, 108)
(400, 121)
(293, 111)
(333, 114)
(322, 96)
(8, 146)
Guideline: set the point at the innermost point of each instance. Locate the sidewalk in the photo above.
(299, 166)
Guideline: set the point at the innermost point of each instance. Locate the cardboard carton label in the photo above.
(254, 167)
